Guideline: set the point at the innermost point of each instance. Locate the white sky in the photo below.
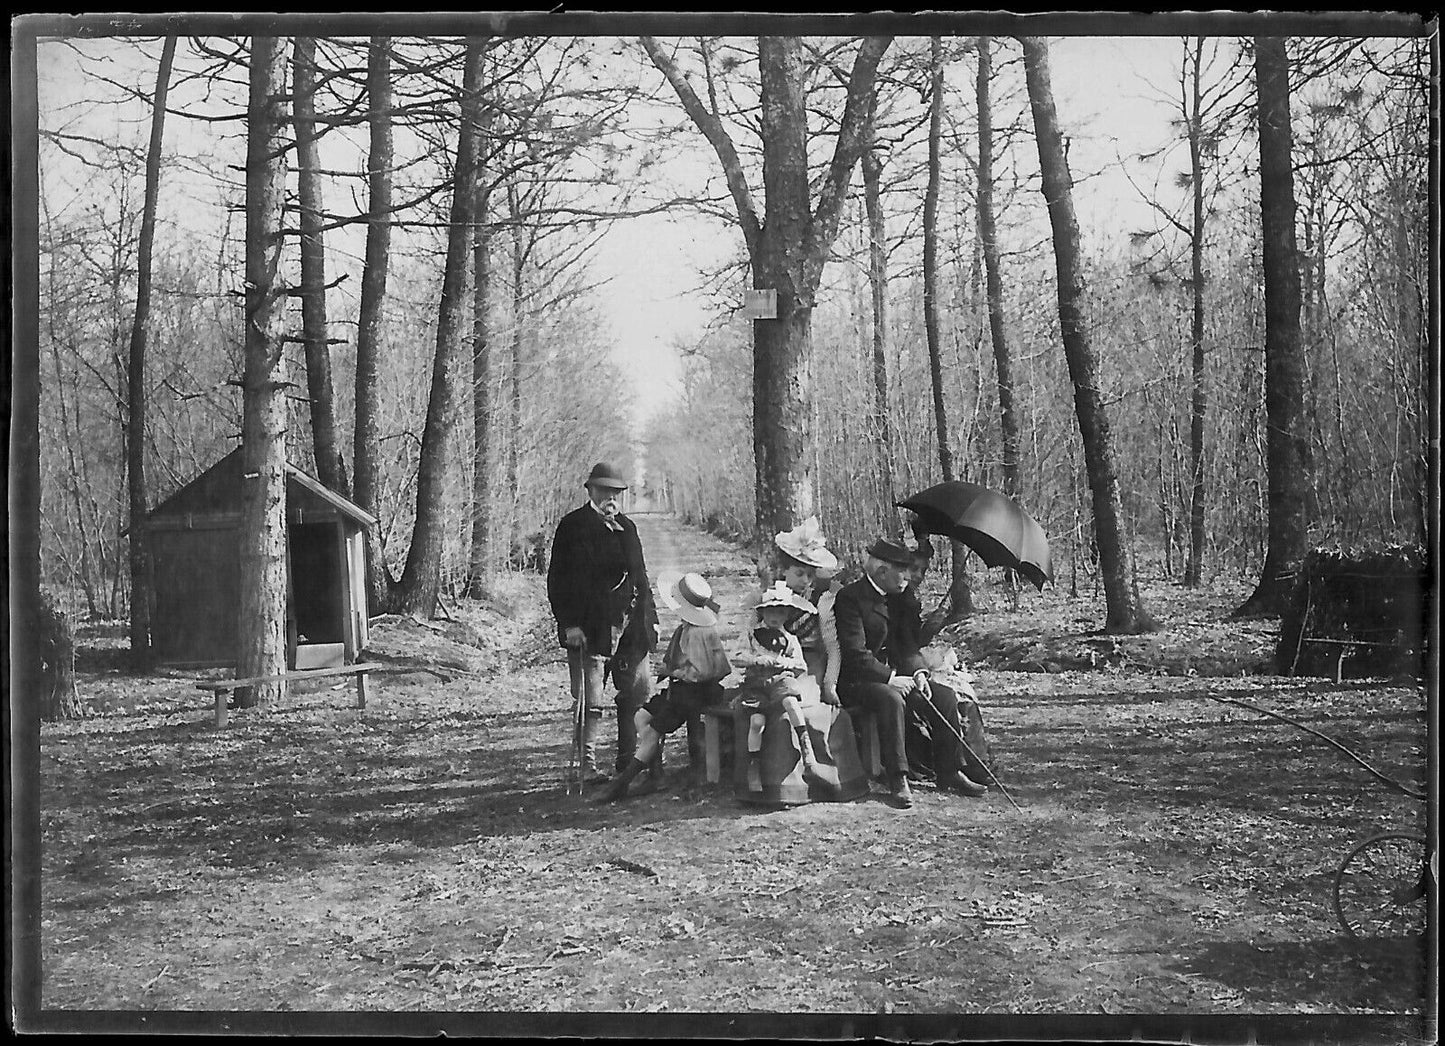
(655, 262)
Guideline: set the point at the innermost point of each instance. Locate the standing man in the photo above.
(881, 671)
(602, 599)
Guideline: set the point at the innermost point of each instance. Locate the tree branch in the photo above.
(712, 129)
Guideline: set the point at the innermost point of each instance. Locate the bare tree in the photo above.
(480, 557)
(367, 436)
(878, 287)
(787, 249)
(993, 277)
(960, 594)
(135, 432)
(262, 618)
(329, 467)
(420, 584)
(1125, 612)
(1284, 363)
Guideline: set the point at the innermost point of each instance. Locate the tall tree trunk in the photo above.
(1287, 450)
(1199, 401)
(421, 580)
(960, 594)
(1125, 612)
(480, 560)
(930, 255)
(993, 275)
(514, 371)
(782, 392)
(878, 285)
(135, 436)
(330, 469)
(366, 440)
(788, 249)
(262, 619)
(58, 697)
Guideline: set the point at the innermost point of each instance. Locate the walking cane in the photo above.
(575, 771)
(956, 733)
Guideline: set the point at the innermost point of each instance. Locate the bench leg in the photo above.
(712, 742)
(221, 698)
(361, 690)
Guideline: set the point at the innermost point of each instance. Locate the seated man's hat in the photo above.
(891, 552)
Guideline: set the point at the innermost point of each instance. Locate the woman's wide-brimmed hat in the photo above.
(805, 544)
(780, 595)
(690, 595)
(605, 475)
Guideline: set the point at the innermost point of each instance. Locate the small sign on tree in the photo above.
(760, 305)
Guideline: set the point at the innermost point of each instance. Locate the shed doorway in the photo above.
(318, 600)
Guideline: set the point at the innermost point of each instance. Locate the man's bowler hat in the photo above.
(891, 552)
(604, 475)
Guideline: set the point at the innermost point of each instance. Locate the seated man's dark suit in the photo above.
(866, 662)
(906, 618)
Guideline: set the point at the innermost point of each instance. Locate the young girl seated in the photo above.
(694, 666)
(775, 677)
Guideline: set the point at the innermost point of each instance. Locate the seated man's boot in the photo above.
(960, 782)
(900, 794)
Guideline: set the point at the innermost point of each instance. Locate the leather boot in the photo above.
(653, 779)
(617, 787)
(825, 777)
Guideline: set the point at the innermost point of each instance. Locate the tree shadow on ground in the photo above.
(1333, 973)
(290, 788)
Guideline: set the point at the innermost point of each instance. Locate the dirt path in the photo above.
(668, 545)
(1173, 855)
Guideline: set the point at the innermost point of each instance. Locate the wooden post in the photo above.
(361, 690)
(222, 696)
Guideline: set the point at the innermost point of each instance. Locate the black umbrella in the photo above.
(990, 523)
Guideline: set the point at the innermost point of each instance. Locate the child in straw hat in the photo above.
(775, 677)
(694, 666)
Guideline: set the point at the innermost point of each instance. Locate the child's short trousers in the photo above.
(673, 707)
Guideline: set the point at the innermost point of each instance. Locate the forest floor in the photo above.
(1173, 854)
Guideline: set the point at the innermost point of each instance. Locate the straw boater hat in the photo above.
(780, 595)
(805, 544)
(690, 595)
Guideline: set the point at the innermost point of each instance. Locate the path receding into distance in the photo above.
(668, 544)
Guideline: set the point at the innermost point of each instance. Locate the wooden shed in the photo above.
(195, 553)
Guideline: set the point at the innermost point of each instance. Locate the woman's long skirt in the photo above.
(834, 745)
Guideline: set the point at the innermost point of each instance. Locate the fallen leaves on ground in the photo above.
(1173, 854)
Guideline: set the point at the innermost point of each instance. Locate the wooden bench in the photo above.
(865, 725)
(1344, 650)
(223, 687)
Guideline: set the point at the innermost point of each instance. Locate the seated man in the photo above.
(935, 720)
(881, 671)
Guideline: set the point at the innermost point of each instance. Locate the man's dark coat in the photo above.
(871, 649)
(588, 560)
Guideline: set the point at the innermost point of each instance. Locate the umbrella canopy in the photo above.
(990, 523)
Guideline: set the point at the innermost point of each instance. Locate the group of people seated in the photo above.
(818, 656)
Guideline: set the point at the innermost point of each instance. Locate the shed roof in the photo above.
(218, 489)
